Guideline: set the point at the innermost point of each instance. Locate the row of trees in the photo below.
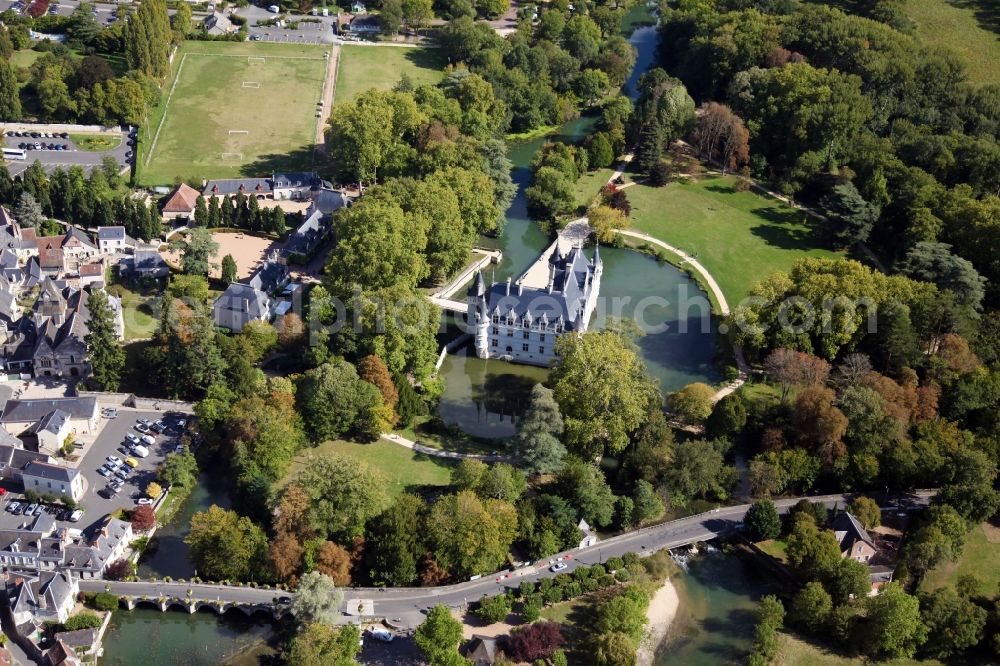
(241, 212)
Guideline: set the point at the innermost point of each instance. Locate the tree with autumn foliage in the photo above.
(333, 560)
(720, 135)
(536, 641)
(143, 518)
(373, 370)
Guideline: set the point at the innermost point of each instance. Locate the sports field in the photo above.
(233, 109)
(364, 67)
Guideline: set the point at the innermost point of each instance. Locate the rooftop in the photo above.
(21, 411)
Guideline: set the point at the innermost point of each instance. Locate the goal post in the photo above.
(229, 157)
(251, 84)
(255, 60)
(244, 132)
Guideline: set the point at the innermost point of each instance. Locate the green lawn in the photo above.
(364, 67)
(24, 58)
(740, 237)
(775, 548)
(402, 467)
(96, 142)
(979, 558)
(138, 310)
(964, 27)
(797, 652)
(590, 184)
(231, 114)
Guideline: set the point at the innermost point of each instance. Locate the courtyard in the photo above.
(248, 251)
(235, 109)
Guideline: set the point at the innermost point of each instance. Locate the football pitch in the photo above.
(234, 109)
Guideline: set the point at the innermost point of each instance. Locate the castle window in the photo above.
(496, 319)
(494, 343)
(509, 333)
(541, 350)
(526, 334)
(524, 348)
(541, 338)
(495, 330)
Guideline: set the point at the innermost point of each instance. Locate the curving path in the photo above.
(438, 453)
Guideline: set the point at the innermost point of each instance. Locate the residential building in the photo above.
(279, 186)
(82, 646)
(51, 432)
(44, 547)
(365, 25)
(242, 303)
(47, 596)
(114, 240)
(22, 242)
(482, 650)
(303, 243)
(21, 415)
(218, 24)
(855, 543)
(53, 479)
(66, 252)
(522, 324)
(92, 273)
(182, 201)
(145, 263)
(14, 458)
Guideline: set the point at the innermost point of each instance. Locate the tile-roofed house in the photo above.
(20, 241)
(92, 273)
(521, 324)
(181, 202)
(19, 415)
(50, 254)
(855, 543)
(48, 596)
(52, 479)
(78, 248)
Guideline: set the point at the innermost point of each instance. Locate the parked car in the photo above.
(124, 450)
(31, 509)
(131, 439)
(131, 462)
(145, 422)
(76, 516)
(381, 634)
(104, 471)
(38, 510)
(123, 473)
(179, 448)
(142, 427)
(143, 501)
(13, 507)
(140, 451)
(20, 508)
(159, 426)
(115, 460)
(182, 423)
(3, 491)
(558, 566)
(109, 413)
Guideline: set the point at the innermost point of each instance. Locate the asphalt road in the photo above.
(50, 159)
(405, 606)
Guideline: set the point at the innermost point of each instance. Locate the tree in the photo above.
(848, 579)
(10, 98)
(699, 470)
(728, 417)
(317, 599)
(196, 251)
(535, 641)
(605, 221)
(182, 20)
(866, 510)
(954, 623)
(119, 570)
(107, 357)
(332, 399)
(391, 16)
(720, 135)
(894, 627)
(28, 211)
(323, 645)
(470, 536)
(362, 132)
(795, 369)
(812, 551)
(333, 560)
(373, 370)
(934, 262)
(225, 545)
(811, 607)
(285, 553)
(143, 518)
(693, 403)
(762, 521)
(537, 443)
(602, 390)
(344, 494)
(494, 609)
(770, 619)
(417, 12)
(550, 195)
(438, 637)
(849, 217)
(647, 504)
(396, 541)
(819, 424)
(584, 487)
(153, 490)
(229, 270)
(178, 469)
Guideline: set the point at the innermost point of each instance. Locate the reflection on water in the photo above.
(715, 620)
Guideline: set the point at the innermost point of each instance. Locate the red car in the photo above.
(3, 491)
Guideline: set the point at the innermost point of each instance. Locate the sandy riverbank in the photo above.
(661, 613)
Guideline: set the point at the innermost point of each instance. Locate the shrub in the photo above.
(143, 518)
(598, 570)
(573, 590)
(535, 642)
(494, 609)
(119, 570)
(83, 620)
(622, 575)
(630, 558)
(589, 585)
(563, 579)
(554, 595)
(105, 601)
(615, 563)
(659, 175)
(545, 584)
(30, 496)
(581, 574)
(530, 611)
(527, 588)
(607, 580)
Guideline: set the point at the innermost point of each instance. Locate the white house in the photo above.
(49, 596)
(52, 479)
(113, 240)
(52, 431)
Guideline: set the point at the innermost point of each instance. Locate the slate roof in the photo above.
(269, 276)
(182, 200)
(53, 422)
(50, 590)
(94, 555)
(330, 201)
(848, 530)
(240, 297)
(148, 260)
(51, 471)
(111, 233)
(13, 455)
(299, 179)
(236, 185)
(482, 650)
(562, 304)
(19, 411)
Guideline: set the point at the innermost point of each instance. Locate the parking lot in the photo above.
(97, 501)
(53, 148)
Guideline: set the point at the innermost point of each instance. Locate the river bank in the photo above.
(660, 615)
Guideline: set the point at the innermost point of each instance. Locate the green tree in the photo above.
(182, 20)
(866, 510)
(396, 541)
(600, 152)
(10, 99)
(317, 600)
(699, 470)
(583, 485)
(602, 389)
(438, 637)
(811, 607)
(225, 545)
(178, 469)
(470, 536)
(954, 623)
(361, 133)
(693, 403)
(848, 579)
(28, 211)
(494, 609)
(728, 417)
(762, 521)
(333, 399)
(647, 504)
(322, 645)
(344, 494)
(812, 551)
(935, 262)
(849, 217)
(196, 251)
(894, 627)
(537, 443)
(107, 357)
(229, 269)
(550, 195)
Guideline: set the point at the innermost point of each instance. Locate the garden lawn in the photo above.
(798, 652)
(364, 67)
(96, 142)
(979, 558)
(403, 468)
(965, 28)
(590, 184)
(222, 89)
(740, 237)
(24, 58)
(138, 312)
(775, 548)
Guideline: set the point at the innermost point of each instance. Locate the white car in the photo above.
(131, 439)
(76, 516)
(381, 634)
(140, 451)
(144, 500)
(148, 440)
(274, 9)
(558, 566)
(114, 460)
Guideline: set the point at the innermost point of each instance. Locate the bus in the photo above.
(15, 154)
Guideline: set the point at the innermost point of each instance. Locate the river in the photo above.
(485, 397)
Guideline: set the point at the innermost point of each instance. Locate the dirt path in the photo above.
(329, 86)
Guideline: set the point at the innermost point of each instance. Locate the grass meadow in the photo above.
(380, 67)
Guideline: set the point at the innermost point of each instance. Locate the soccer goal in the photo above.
(255, 60)
(232, 156)
(232, 132)
(251, 84)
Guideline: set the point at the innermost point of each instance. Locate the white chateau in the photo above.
(521, 323)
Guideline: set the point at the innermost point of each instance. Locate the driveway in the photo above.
(71, 155)
(96, 502)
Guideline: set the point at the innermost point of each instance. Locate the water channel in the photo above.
(484, 397)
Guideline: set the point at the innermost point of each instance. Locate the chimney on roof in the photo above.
(520, 287)
(508, 285)
(552, 277)
(246, 305)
